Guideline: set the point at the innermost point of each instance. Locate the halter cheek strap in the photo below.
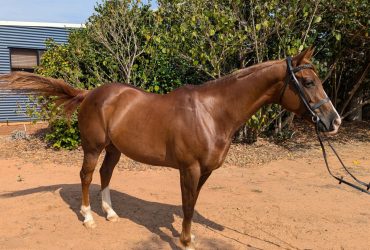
(291, 78)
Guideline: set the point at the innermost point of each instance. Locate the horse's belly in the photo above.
(142, 146)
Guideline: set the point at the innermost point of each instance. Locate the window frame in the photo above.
(38, 58)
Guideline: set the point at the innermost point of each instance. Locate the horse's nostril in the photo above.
(337, 122)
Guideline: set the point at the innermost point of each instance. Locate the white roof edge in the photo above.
(41, 24)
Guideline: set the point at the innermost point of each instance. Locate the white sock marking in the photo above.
(107, 203)
(86, 212)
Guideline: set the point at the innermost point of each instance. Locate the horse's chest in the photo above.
(216, 153)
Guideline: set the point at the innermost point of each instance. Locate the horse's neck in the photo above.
(240, 96)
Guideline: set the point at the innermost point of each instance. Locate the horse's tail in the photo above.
(66, 96)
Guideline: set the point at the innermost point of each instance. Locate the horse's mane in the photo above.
(241, 73)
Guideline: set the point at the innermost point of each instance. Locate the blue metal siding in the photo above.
(13, 105)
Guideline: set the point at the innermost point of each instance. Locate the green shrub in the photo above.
(64, 134)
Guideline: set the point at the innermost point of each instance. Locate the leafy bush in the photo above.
(64, 134)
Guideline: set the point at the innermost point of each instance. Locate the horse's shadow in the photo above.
(151, 215)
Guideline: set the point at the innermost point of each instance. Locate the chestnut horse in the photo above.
(189, 129)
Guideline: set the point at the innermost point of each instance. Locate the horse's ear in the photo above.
(305, 54)
(310, 52)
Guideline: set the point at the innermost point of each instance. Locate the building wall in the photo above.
(13, 105)
(26, 37)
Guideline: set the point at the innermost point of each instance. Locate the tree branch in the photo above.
(356, 108)
(356, 87)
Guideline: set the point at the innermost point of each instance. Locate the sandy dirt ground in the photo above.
(288, 202)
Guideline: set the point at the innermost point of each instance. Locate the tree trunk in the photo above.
(355, 89)
(355, 102)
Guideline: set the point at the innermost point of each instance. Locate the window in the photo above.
(25, 59)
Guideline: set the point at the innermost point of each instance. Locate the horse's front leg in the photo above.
(189, 179)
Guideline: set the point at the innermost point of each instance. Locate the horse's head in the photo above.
(304, 94)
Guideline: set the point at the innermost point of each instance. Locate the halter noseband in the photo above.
(291, 78)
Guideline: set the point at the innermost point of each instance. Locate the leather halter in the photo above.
(291, 78)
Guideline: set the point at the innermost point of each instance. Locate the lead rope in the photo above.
(341, 179)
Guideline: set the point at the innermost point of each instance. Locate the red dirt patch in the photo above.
(278, 197)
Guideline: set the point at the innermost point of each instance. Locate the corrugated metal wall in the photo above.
(13, 105)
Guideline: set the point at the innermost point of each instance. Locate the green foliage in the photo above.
(263, 117)
(161, 73)
(344, 50)
(124, 29)
(203, 33)
(64, 134)
(81, 62)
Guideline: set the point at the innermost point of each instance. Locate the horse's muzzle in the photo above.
(330, 127)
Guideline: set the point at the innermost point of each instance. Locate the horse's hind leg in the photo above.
(86, 173)
(110, 161)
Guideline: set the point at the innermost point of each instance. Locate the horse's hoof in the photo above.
(190, 248)
(90, 224)
(189, 245)
(113, 218)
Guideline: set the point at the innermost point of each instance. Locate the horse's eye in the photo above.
(308, 83)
